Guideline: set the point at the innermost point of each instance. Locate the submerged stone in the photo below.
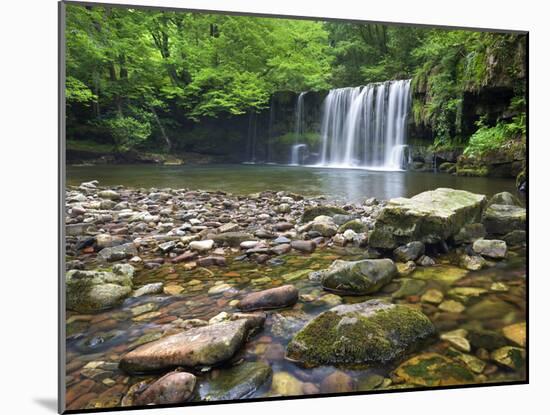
(358, 277)
(490, 248)
(429, 217)
(237, 382)
(432, 369)
(511, 357)
(312, 212)
(372, 331)
(278, 297)
(174, 387)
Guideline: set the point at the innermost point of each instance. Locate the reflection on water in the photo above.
(350, 185)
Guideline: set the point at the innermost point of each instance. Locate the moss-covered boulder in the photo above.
(236, 382)
(372, 331)
(502, 219)
(432, 369)
(91, 291)
(311, 213)
(429, 217)
(355, 225)
(504, 198)
(358, 277)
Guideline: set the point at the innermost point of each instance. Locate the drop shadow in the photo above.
(48, 403)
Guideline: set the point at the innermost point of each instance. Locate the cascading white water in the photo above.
(299, 116)
(295, 153)
(366, 126)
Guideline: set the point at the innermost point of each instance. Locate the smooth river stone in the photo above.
(283, 296)
(174, 387)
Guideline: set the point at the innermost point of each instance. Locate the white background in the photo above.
(28, 228)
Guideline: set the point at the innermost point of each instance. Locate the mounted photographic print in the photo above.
(265, 207)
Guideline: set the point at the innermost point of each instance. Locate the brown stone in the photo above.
(283, 296)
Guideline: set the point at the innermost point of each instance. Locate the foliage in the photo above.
(491, 138)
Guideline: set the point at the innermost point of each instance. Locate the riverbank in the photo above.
(262, 271)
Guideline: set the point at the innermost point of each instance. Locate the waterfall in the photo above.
(270, 129)
(251, 139)
(295, 158)
(299, 121)
(366, 126)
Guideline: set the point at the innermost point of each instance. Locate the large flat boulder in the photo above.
(197, 347)
(358, 277)
(429, 217)
(372, 331)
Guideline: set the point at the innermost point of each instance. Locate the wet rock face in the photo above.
(358, 277)
(91, 291)
(174, 387)
(236, 382)
(502, 219)
(372, 331)
(201, 346)
(429, 217)
(284, 296)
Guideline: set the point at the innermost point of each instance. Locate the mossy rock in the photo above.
(480, 171)
(372, 331)
(432, 369)
(444, 273)
(429, 217)
(311, 213)
(91, 291)
(358, 277)
(503, 219)
(355, 225)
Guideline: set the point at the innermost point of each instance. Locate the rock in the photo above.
(372, 331)
(281, 240)
(283, 226)
(349, 235)
(149, 289)
(503, 219)
(425, 261)
(432, 296)
(91, 291)
(510, 357)
(485, 339)
(331, 300)
(428, 217)
(354, 225)
(473, 363)
(186, 256)
(490, 308)
(199, 346)
(504, 198)
(248, 244)
(324, 226)
(358, 277)
(516, 333)
(311, 213)
(405, 269)
(283, 296)
(432, 369)
(109, 194)
(173, 289)
(174, 387)
(281, 249)
(202, 246)
(219, 288)
(118, 253)
(409, 252)
(492, 248)
(104, 240)
(285, 384)
(228, 227)
(303, 246)
(236, 382)
(469, 233)
(409, 287)
(515, 238)
(296, 275)
(451, 306)
(283, 208)
(337, 382)
(211, 260)
(472, 263)
(233, 239)
(167, 246)
(457, 338)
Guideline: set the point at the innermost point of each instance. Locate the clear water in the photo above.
(341, 184)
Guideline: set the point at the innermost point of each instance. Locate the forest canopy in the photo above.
(133, 75)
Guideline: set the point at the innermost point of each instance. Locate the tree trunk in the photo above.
(161, 128)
